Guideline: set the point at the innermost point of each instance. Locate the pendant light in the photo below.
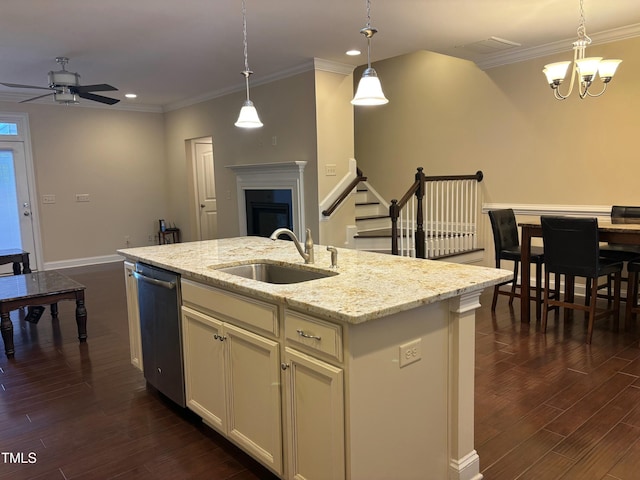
(248, 117)
(369, 90)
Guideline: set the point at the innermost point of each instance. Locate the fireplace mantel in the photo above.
(268, 176)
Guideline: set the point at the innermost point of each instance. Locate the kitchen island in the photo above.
(365, 374)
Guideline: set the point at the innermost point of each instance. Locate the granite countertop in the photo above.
(368, 285)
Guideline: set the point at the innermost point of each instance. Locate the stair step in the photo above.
(378, 233)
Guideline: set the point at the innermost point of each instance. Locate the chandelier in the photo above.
(248, 117)
(585, 68)
(369, 90)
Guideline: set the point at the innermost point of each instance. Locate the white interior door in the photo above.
(206, 186)
(16, 216)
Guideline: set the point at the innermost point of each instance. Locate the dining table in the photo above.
(621, 231)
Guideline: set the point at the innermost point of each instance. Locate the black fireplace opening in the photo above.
(268, 210)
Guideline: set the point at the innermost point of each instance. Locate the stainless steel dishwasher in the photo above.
(159, 302)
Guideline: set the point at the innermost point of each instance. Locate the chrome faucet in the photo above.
(307, 253)
(334, 256)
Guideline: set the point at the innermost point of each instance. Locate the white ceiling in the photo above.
(170, 52)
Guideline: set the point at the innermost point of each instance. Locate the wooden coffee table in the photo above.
(39, 288)
(16, 257)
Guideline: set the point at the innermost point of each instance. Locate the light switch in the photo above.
(82, 197)
(50, 198)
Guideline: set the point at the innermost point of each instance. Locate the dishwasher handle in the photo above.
(160, 283)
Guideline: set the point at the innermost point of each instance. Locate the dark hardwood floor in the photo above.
(547, 406)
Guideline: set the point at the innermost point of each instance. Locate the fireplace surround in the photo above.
(267, 194)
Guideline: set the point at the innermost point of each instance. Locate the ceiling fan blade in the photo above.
(18, 85)
(98, 98)
(36, 98)
(102, 87)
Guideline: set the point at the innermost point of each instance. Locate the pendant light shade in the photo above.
(369, 90)
(248, 117)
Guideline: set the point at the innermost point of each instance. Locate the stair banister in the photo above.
(345, 193)
(450, 224)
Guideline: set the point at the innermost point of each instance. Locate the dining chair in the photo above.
(507, 247)
(571, 248)
(633, 269)
(621, 252)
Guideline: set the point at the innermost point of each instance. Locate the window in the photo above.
(8, 128)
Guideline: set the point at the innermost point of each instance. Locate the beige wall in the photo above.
(115, 156)
(450, 117)
(334, 120)
(287, 109)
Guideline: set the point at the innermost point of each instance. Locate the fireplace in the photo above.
(270, 195)
(268, 210)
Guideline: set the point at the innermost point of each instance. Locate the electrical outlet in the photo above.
(82, 197)
(49, 198)
(330, 170)
(410, 352)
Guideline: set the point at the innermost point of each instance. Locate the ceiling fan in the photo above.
(66, 87)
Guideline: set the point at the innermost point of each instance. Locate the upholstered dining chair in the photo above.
(621, 252)
(633, 269)
(571, 248)
(507, 247)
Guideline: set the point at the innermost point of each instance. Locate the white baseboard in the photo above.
(82, 262)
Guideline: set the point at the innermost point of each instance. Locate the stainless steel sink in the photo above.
(275, 273)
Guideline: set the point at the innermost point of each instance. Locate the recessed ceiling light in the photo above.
(353, 53)
(131, 95)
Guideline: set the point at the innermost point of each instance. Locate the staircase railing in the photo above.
(345, 193)
(437, 216)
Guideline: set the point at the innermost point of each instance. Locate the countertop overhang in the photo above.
(368, 285)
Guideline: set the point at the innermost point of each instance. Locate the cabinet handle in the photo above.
(284, 366)
(307, 335)
(219, 337)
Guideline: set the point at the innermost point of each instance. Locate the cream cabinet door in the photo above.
(204, 367)
(315, 418)
(254, 400)
(133, 315)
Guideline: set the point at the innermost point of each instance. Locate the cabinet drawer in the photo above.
(313, 335)
(229, 306)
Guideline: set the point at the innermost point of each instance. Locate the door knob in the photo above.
(26, 214)
(202, 205)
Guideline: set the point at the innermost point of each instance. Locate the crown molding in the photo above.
(505, 58)
(333, 67)
(255, 81)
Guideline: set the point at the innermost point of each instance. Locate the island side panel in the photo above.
(464, 463)
(396, 417)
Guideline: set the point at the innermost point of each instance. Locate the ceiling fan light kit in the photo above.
(66, 87)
